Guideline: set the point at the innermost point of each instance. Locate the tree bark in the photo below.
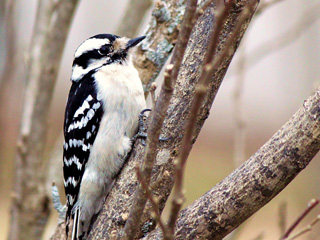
(30, 205)
(256, 182)
(249, 187)
(115, 211)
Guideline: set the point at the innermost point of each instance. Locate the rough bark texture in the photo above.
(112, 218)
(30, 205)
(242, 193)
(161, 35)
(257, 181)
(150, 58)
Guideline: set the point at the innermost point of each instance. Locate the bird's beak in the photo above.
(133, 42)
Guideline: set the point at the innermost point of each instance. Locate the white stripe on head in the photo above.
(78, 72)
(90, 44)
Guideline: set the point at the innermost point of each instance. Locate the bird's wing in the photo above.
(82, 119)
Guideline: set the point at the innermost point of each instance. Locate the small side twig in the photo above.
(311, 205)
(153, 88)
(306, 229)
(202, 9)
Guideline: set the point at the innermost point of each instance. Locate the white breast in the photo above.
(120, 89)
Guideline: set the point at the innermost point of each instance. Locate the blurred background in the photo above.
(274, 71)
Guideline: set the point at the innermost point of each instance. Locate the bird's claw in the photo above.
(141, 129)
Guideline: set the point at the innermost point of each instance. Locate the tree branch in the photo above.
(115, 211)
(161, 35)
(313, 203)
(158, 116)
(30, 208)
(257, 181)
(186, 145)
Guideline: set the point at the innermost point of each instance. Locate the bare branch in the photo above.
(161, 35)
(255, 182)
(157, 118)
(30, 207)
(120, 198)
(313, 203)
(202, 9)
(210, 66)
(178, 196)
(154, 204)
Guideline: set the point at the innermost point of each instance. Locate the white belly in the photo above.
(124, 100)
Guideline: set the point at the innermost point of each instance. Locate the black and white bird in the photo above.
(101, 117)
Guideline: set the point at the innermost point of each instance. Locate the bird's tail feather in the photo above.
(75, 225)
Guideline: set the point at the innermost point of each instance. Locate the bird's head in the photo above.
(101, 50)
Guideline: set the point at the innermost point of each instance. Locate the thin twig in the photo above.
(178, 196)
(158, 115)
(311, 205)
(202, 9)
(243, 192)
(183, 39)
(306, 229)
(152, 90)
(154, 204)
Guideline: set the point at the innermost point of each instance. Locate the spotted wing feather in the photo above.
(82, 119)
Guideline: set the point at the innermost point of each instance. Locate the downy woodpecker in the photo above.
(101, 117)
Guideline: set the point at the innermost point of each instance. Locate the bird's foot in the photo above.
(142, 130)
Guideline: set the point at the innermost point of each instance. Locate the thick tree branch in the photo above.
(115, 211)
(211, 65)
(30, 208)
(161, 35)
(255, 182)
(150, 58)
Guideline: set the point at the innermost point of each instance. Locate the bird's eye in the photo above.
(104, 50)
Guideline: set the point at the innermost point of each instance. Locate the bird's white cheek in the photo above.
(77, 72)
